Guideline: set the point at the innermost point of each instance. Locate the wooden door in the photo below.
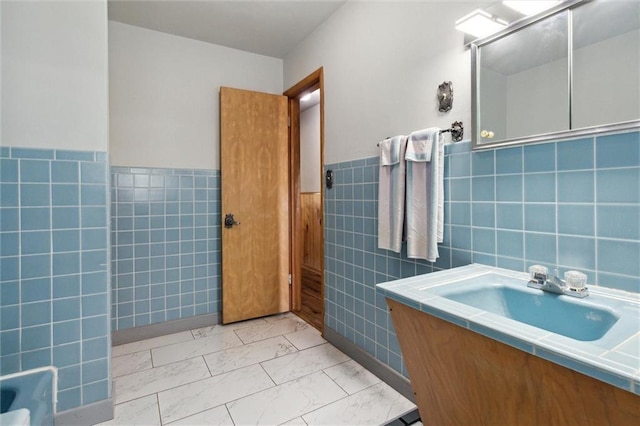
(254, 183)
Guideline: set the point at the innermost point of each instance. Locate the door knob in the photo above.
(229, 221)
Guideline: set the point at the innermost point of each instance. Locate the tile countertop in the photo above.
(613, 359)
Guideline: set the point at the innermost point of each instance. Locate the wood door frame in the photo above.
(313, 81)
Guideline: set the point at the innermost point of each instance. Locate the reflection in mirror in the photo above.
(524, 83)
(571, 71)
(606, 63)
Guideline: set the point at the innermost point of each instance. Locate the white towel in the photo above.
(391, 193)
(419, 147)
(425, 194)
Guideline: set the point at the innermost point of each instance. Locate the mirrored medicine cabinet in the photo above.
(572, 70)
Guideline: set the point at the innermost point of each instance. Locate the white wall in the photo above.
(310, 149)
(164, 95)
(383, 62)
(54, 74)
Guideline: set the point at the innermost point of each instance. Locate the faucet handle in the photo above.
(575, 280)
(538, 273)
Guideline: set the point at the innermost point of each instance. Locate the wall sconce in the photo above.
(529, 7)
(479, 23)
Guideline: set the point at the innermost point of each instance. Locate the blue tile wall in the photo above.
(354, 264)
(54, 277)
(573, 204)
(165, 234)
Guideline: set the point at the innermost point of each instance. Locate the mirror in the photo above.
(606, 63)
(572, 70)
(523, 76)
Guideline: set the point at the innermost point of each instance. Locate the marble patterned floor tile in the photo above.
(286, 401)
(194, 348)
(253, 353)
(271, 329)
(294, 422)
(305, 338)
(155, 342)
(218, 416)
(351, 376)
(141, 411)
(298, 364)
(316, 383)
(195, 397)
(375, 405)
(219, 328)
(278, 317)
(157, 379)
(130, 363)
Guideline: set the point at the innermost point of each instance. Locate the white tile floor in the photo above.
(274, 370)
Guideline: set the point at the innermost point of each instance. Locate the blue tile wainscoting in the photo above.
(54, 257)
(165, 234)
(574, 204)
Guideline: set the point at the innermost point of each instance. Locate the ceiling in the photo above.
(266, 27)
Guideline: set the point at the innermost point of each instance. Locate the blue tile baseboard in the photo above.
(389, 376)
(54, 259)
(90, 414)
(128, 335)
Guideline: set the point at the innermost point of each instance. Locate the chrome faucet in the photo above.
(542, 280)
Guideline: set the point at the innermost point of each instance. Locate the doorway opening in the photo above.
(306, 155)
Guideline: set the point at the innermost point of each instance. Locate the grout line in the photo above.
(268, 375)
(207, 365)
(159, 410)
(151, 356)
(229, 413)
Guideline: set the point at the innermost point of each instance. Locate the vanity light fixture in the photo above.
(529, 7)
(480, 23)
